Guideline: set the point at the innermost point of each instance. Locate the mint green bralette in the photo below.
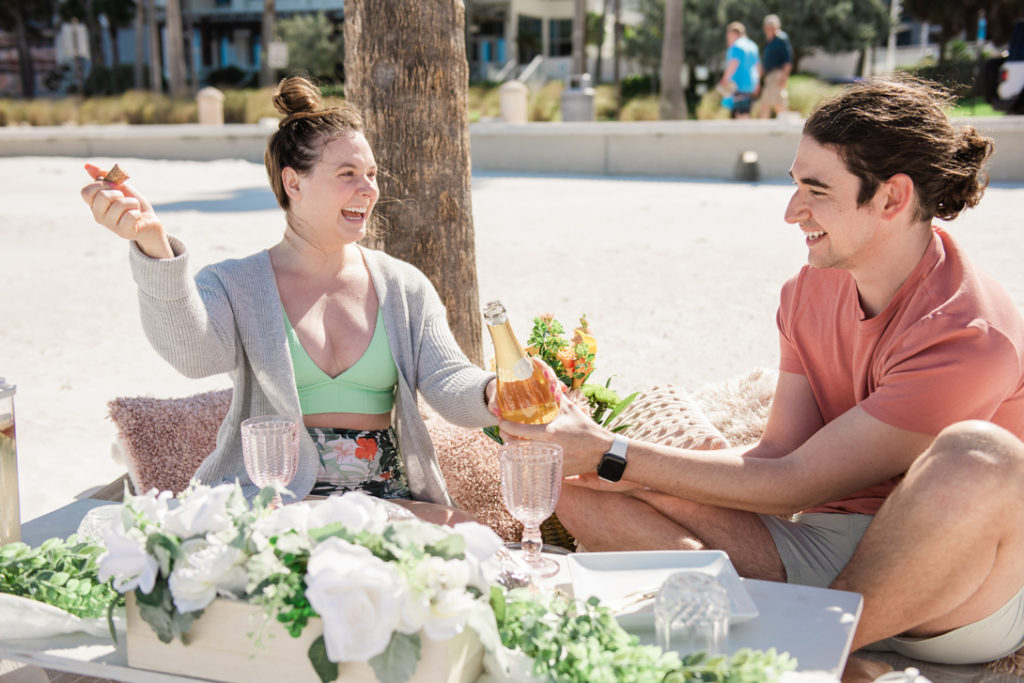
(366, 388)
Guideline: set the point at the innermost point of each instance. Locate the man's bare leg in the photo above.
(946, 548)
(648, 520)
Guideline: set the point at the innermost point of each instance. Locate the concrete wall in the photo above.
(697, 149)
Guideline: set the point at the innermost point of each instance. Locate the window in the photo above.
(561, 37)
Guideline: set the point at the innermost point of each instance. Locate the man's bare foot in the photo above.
(863, 670)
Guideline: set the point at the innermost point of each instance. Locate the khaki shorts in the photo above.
(814, 548)
(773, 94)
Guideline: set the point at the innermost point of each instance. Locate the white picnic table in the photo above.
(814, 625)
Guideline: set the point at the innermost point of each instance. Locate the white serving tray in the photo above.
(614, 577)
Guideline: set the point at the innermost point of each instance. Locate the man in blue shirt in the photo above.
(778, 64)
(742, 70)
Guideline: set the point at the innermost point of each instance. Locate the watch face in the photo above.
(611, 467)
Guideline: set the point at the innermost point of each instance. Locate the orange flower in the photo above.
(366, 449)
(567, 358)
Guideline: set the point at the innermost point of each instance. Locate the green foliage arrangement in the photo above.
(62, 573)
(577, 641)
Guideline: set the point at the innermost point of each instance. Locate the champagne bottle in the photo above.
(523, 392)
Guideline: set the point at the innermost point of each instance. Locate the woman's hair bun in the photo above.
(296, 95)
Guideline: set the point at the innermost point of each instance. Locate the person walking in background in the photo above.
(742, 70)
(777, 65)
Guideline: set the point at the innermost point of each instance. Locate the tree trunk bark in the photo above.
(26, 66)
(599, 65)
(156, 69)
(95, 36)
(616, 56)
(140, 15)
(175, 50)
(671, 105)
(266, 36)
(406, 71)
(579, 38)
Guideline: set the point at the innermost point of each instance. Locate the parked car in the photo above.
(1004, 75)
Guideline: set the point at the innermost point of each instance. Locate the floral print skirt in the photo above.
(359, 460)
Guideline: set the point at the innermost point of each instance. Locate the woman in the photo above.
(316, 325)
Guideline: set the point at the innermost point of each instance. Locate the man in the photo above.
(741, 77)
(894, 429)
(777, 65)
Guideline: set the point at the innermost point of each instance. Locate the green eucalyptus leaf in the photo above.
(399, 660)
(325, 668)
(451, 547)
(264, 497)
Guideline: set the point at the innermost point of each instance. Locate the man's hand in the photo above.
(582, 440)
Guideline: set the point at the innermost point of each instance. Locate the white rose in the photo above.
(481, 541)
(294, 517)
(356, 511)
(203, 511)
(206, 570)
(152, 506)
(444, 581)
(448, 613)
(357, 595)
(126, 559)
(481, 545)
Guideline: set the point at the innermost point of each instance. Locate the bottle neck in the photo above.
(509, 357)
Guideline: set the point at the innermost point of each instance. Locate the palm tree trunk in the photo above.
(26, 66)
(617, 56)
(266, 36)
(406, 71)
(175, 50)
(671, 105)
(579, 37)
(156, 69)
(140, 14)
(95, 37)
(599, 64)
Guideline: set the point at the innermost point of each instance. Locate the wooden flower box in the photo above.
(220, 648)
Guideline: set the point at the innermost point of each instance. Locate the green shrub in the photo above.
(227, 77)
(642, 108)
(604, 102)
(958, 76)
(546, 104)
(638, 85)
(710, 106)
(806, 92)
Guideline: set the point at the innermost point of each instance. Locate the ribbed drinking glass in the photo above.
(270, 449)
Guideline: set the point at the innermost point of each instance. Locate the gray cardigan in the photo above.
(228, 319)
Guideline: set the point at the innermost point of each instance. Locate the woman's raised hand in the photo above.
(127, 214)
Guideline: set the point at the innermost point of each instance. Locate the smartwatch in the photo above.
(613, 463)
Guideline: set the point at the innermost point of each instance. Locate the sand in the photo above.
(679, 279)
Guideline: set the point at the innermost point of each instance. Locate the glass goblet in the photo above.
(531, 479)
(270, 450)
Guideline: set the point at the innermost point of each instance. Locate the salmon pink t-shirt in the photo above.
(948, 347)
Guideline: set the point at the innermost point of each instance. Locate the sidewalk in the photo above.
(679, 280)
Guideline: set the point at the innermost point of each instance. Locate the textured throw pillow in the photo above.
(669, 415)
(164, 440)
